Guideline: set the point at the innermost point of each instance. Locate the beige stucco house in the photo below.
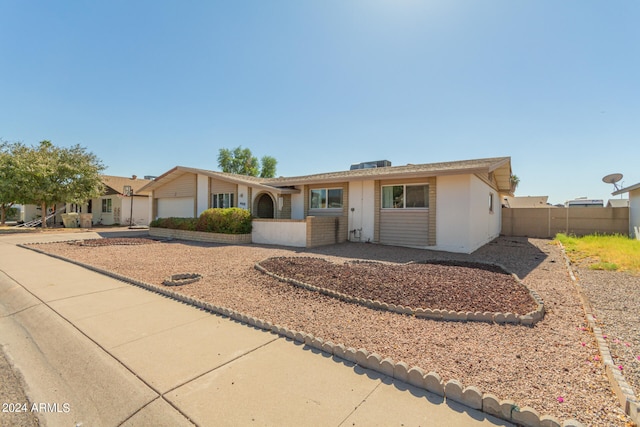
(451, 206)
(634, 208)
(113, 207)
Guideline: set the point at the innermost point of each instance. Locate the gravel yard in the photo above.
(616, 303)
(553, 367)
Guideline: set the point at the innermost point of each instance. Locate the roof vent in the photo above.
(370, 165)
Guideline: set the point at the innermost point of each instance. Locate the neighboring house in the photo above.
(525, 202)
(451, 206)
(634, 208)
(583, 202)
(113, 207)
(618, 203)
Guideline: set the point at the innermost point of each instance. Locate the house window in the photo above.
(106, 205)
(405, 196)
(222, 200)
(490, 202)
(326, 198)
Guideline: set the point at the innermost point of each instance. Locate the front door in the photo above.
(265, 206)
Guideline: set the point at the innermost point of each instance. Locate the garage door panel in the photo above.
(181, 207)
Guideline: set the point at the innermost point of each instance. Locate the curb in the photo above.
(453, 390)
(621, 388)
(528, 319)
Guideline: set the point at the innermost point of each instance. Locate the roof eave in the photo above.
(162, 179)
(626, 189)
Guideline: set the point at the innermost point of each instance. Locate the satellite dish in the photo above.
(613, 178)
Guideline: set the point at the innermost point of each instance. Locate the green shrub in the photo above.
(227, 221)
(175, 223)
(13, 214)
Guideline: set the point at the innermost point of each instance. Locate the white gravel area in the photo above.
(553, 367)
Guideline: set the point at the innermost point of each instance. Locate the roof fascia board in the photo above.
(164, 178)
(396, 175)
(498, 164)
(626, 189)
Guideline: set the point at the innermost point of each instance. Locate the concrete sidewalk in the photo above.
(97, 351)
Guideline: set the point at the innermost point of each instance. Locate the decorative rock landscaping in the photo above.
(416, 283)
(552, 367)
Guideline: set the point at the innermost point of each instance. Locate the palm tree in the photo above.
(514, 183)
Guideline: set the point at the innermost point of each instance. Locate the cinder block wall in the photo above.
(547, 222)
(326, 230)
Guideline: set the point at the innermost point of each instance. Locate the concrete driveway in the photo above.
(95, 351)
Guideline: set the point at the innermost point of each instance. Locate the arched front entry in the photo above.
(265, 207)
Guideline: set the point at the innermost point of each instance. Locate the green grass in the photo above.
(603, 252)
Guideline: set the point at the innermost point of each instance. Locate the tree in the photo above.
(12, 162)
(242, 162)
(57, 175)
(268, 169)
(514, 182)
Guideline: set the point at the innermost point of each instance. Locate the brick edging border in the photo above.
(625, 394)
(528, 319)
(469, 396)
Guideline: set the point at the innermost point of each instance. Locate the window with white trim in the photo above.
(405, 196)
(490, 202)
(325, 198)
(106, 206)
(222, 200)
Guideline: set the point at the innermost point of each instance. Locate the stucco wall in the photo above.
(297, 206)
(484, 224)
(452, 213)
(279, 232)
(243, 196)
(463, 220)
(116, 216)
(202, 194)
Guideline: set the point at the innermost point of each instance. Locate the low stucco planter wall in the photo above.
(200, 236)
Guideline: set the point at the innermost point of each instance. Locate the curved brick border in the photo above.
(454, 390)
(528, 319)
(621, 388)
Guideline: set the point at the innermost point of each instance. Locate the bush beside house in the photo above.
(231, 225)
(174, 223)
(226, 221)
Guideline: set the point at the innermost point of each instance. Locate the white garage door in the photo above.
(181, 207)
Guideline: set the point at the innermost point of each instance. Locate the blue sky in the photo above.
(148, 85)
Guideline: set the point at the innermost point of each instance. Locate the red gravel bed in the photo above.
(456, 286)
